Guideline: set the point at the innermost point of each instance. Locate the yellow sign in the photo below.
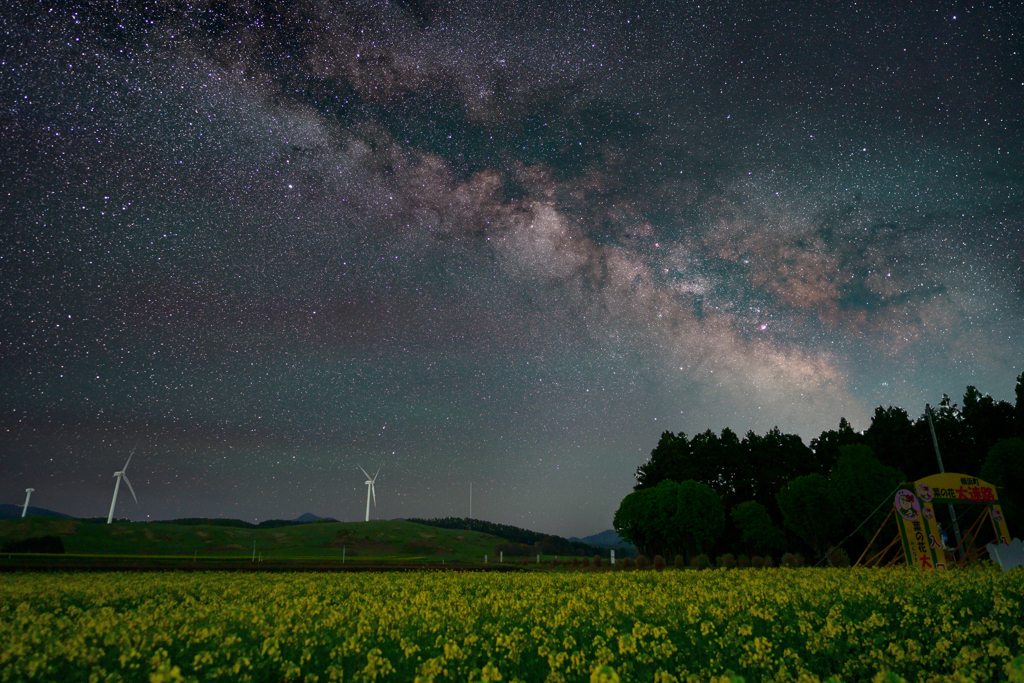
(960, 488)
(922, 541)
(919, 530)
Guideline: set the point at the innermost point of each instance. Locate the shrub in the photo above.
(628, 564)
(727, 561)
(757, 562)
(659, 563)
(642, 562)
(743, 561)
(597, 560)
(769, 561)
(700, 562)
(839, 558)
(792, 561)
(41, 544)
(679, 562)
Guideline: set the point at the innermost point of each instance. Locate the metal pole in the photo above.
(938, 456)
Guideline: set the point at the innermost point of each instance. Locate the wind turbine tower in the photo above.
(370, 492)
(121, 475)
(28, 494)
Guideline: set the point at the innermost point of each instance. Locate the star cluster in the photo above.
(507, 245)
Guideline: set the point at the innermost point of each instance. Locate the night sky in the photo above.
(501, 243)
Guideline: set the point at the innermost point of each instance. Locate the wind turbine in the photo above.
(121, 475)
(28, 494)
(370, 492)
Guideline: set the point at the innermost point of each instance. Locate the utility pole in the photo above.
(938, 456)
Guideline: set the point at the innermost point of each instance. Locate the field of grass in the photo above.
(360, 540)
(780, 624)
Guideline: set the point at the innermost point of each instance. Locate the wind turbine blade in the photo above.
(364, 471)
(125, 476)
(129, 458)
(373, 492)
(376, 473)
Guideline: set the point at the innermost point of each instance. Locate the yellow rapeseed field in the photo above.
(780, 625)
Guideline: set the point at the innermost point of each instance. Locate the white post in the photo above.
(343, 554)
(254, 550)
(28, 494)
(485, 559)
(113, 502)
(501, 556)
(613, 555)
(538, 559)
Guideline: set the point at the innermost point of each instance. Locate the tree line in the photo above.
(762, 494)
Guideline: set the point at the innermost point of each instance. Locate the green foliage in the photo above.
(826, 446)
(701, 562)
(758, 532)
(1004, 467)
(792, 560)
(685, 516)
(699, 518)
(630, 520)
(901, 443)
(860, 483)
(1018, 409)
(38, 544)
(1014, 670)
(838, 557)
(312, 540)
(809, 508)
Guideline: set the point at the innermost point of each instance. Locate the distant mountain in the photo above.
(605, 539)
(310, 517)
(306, 518)
(8, 511)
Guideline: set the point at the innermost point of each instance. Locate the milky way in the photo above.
(501, 244)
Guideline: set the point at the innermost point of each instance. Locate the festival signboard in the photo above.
(949, 487)
(919, 531)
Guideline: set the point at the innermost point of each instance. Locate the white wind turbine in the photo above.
(370, 492)
(121, 475)
(28, 494)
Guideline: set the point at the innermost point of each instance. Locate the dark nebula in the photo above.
(500, 243)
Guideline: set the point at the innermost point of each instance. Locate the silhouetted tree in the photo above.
(1004, 467)
(809, 508)
(776, 459)
(985, 421)
(898, 442)
(826, 446)
(755, 525)
(861, 484)
(699, 518)
(1018, 409)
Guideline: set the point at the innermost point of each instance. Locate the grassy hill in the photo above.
(323, 540)
(521, 541)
